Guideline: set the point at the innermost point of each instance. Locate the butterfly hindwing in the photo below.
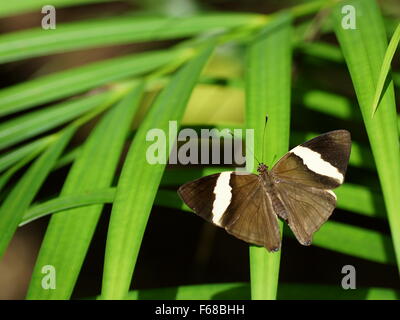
(252, 217)
(236, 202)
(307, 209)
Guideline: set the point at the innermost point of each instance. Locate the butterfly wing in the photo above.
(320, 162)
(198, 195)
(304, 178)
(236, 202)
(307, 209)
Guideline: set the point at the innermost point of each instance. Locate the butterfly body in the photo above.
(269, 184)
(297, 189)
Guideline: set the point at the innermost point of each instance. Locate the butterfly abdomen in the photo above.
(273, 195)
(278, 206)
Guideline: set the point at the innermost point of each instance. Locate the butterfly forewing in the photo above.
(198, 195)
(236, 202)
(320, 162)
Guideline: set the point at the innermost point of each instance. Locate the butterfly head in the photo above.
(262, 168)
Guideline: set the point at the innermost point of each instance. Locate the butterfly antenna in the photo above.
(254, 156)
(265, 127)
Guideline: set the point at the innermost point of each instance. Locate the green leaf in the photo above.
(22, 194)
(99, 196)
(111, 31)
(63, 203)
(68, 157)
(34, 123)
(7, 175)
(364, 50)
(137, 189)
(66, 83)
(17, 7)
(69, 233)
(387, 60)
(13, 156)
(268, 80)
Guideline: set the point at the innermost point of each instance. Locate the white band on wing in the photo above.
(223, 196)
(314, 162)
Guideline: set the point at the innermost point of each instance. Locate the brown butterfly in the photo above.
(298, 189)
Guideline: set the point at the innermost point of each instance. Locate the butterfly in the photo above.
(298, 189)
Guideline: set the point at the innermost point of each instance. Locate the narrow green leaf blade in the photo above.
(17, 7)
(8, 174)
(63, 203)
(387, 60)
(11, 157)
